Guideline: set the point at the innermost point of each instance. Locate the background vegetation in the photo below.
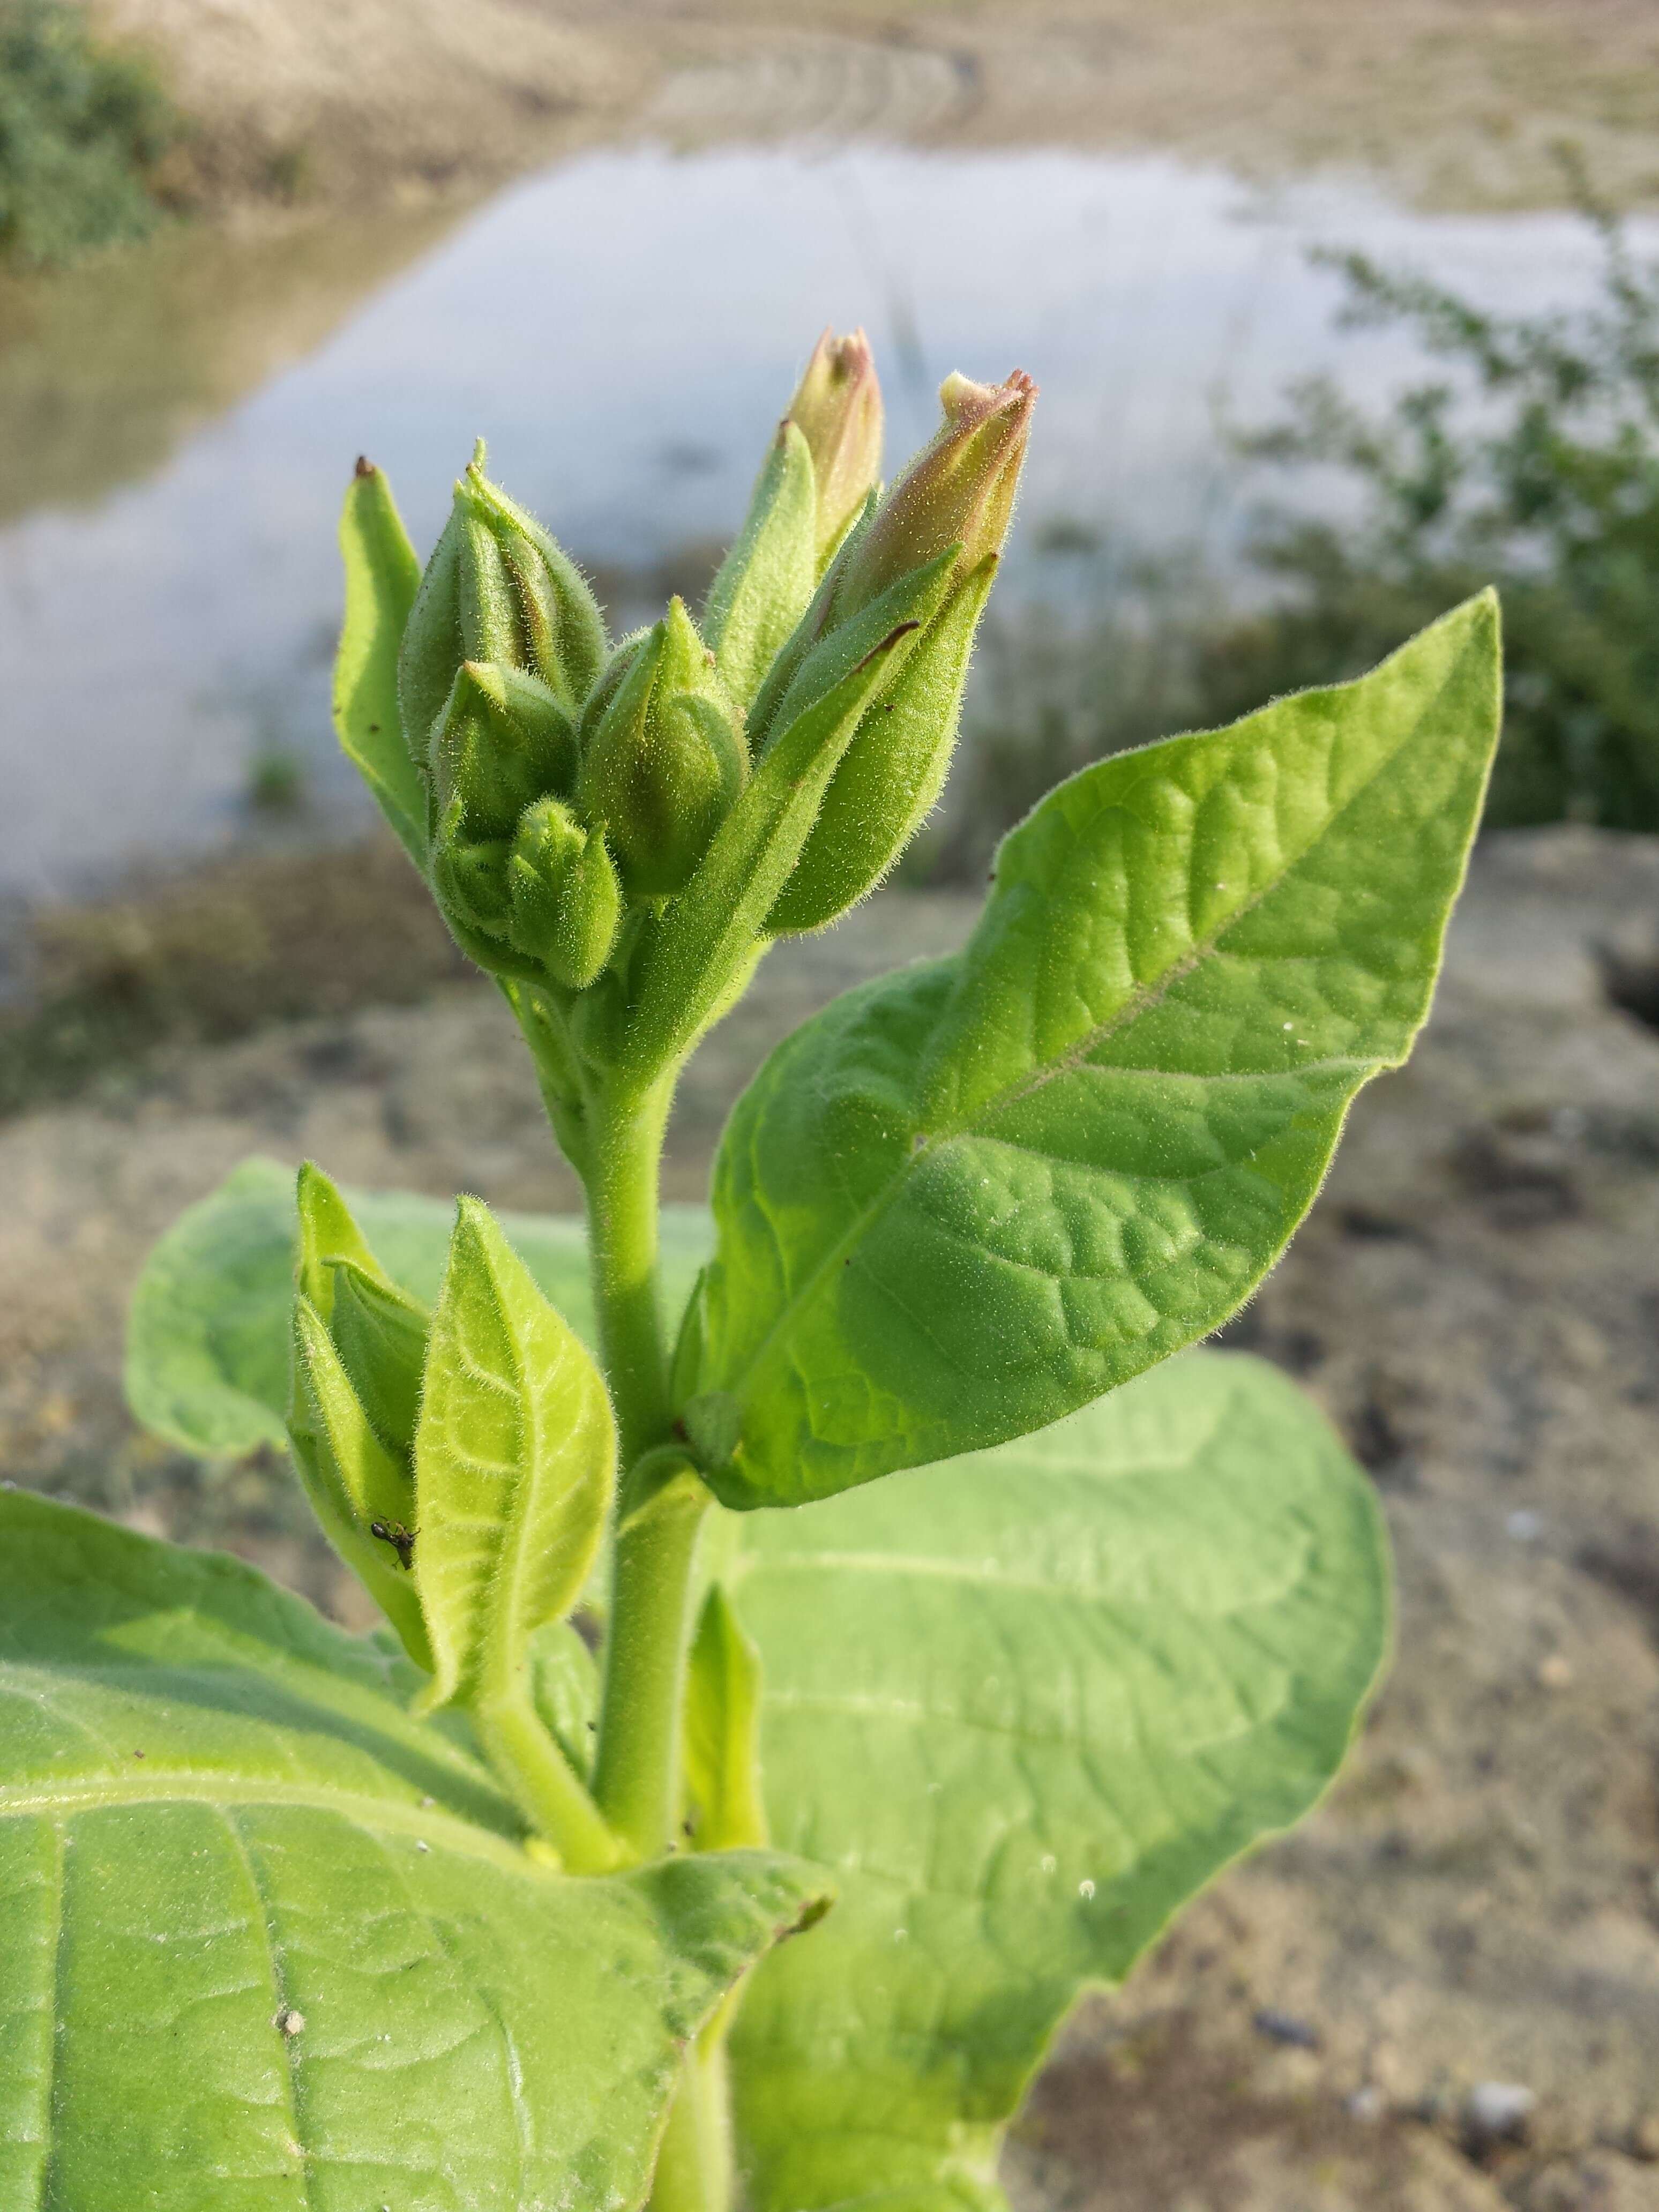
(83, 130)
(1533, 462)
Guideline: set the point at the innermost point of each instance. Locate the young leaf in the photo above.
(966, 1199)
(266, 1942)
(380, 1335)
(722, 1730)
(1026, 1705)
(514, 1460)
(564, 1682)
(766, 579)
(353, 1484)
(381, 574)
(327, 1233)
(208, 1331)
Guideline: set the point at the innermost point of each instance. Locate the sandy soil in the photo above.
(1456, 99)
(1475, 1302)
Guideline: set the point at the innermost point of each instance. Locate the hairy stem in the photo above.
(636, 1773)
(517, 1745)
(622, 1166)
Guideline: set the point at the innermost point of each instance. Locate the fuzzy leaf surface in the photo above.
(1026, 1705)
(292, 1958)
(208, 1334)
(969, 1198)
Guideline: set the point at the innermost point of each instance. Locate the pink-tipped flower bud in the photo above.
(957, 491)
(837, 409)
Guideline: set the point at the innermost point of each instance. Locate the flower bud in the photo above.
(496, 588)
(837, 409)
(959, 490)
(662, 758)
(566, 900)
(501, 743)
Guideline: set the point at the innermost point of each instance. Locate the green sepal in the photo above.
(382, 578)
(352, 1484)
(380, 1335)
(566, 900)
(892, 773)
(707, 940)
(432, 649)
(664, 760)
(561, 626)
(809, 630)
(912, 603)
(765, 581)
(722, 1731)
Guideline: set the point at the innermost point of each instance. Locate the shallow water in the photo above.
(625, 328)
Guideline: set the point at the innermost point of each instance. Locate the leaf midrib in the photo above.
(1141, 1001)
(377, 1815)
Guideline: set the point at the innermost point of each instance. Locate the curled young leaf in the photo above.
(515, 1461)
(722, 1730)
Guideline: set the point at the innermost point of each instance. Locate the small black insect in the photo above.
(401, 1540)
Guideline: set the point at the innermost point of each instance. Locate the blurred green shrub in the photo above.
(1533, 464)
(83, 130)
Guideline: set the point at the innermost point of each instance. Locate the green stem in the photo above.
(521, 1752)
(694, 2166)
(636, 1773)
(624, 1153)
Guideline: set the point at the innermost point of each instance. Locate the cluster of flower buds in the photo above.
(569, 783)
(357, 1359)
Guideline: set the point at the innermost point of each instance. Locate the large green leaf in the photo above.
(962, 1201)
(269, 1945)
(208, 1337)
(1024, 1705)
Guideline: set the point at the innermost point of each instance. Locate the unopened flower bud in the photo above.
(566, 900)
(496, 588)
(501, 743)
(837, 409)
(959, 490)
(662, 759)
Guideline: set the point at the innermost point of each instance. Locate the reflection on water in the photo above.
(623, 330)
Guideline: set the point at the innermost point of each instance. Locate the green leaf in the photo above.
(766, 580)
(380, 1335)
(352, 1484)
(381, 574)
(267, 1944)
(964, 1200)
(722, 1730)
(565, 1685)
(1026, 1705)
(514, 1461)
(208, 1334)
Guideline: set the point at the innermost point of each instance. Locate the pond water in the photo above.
(625, 329)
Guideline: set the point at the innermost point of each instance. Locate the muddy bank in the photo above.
(1475, 1302)
(1457, 100)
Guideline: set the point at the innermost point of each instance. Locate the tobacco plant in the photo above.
(841, 1562)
